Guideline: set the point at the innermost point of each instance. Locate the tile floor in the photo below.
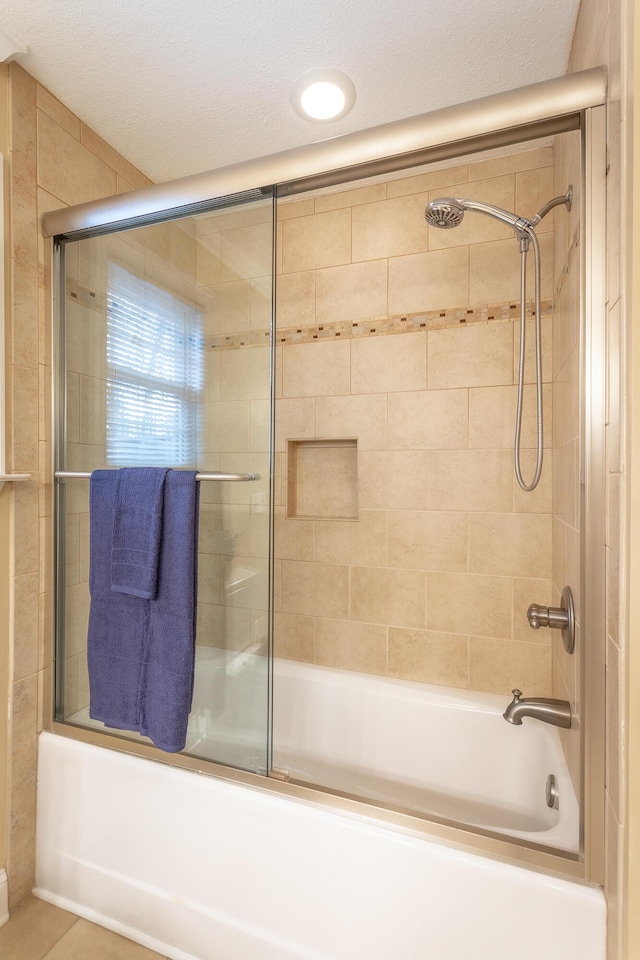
(40, 931)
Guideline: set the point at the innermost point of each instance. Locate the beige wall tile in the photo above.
(92, 411)
(427, 540)
(22, 93)
(68, 169)
(478, 355)
(389, 479)
(244, 374)
(355, 292)
(24, 327)
(226, 425)
(294, 537)
(345, 645)
(76, 619)
(492, 417)
(111, 157)
(208, 577)
(25, 625)
(229, 307)
(57, 111)
(296, 299)
(358, 542)
(510, 544)
(529, 350)
(315, 589)
(499, 666)
(21, 865)
(477, 480)
(246, 252)
(390, 363)
(24, 436)
(224, 529)
(466, 603)
(316, 369)
(295, 420)
(511, 163)
(208, 259)
(439, 658)
(287, 209)
(429, 281)
(350, 198)
(428, 420)
(86, 334)
(323, 240)
(434, 179)
(183, 251)
(539, 500)
(476, 227)
(363, 417)
(24, 239)
(24, 710)
(534, 188)
(381, 595)
(494, 271)
(260, 304)
(389, 228)
(294, 637)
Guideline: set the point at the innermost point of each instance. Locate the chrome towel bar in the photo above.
(233, 477)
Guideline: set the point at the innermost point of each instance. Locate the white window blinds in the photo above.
(154, 374)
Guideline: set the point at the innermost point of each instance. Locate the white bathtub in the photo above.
(195, 867)
(202, 869)
(431, 750)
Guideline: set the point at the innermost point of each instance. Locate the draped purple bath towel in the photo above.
(137, 529)
(141, 652)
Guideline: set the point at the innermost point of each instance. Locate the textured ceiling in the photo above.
(183, 86)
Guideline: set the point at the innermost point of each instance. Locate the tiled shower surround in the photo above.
(405, 339)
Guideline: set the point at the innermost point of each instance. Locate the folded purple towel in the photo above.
(137, 527)
(141, 652)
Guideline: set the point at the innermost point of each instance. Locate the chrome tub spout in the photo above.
(557, 712)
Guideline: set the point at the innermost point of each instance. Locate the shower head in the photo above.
(447, 212)
(444, 213)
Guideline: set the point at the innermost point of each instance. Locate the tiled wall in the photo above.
(406, 338)
(55, 160)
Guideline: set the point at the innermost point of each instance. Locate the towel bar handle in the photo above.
(229, 477)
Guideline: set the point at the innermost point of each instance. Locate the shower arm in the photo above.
(567, 199)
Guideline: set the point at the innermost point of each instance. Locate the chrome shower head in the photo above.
(447, 212)
(444, 213)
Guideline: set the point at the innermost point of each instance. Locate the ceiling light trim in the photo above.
(323, 95)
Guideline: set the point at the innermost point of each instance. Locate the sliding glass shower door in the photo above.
(164, 359)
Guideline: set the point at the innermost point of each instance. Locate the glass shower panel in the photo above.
(165, 360)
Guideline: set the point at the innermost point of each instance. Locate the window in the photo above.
(154, 373)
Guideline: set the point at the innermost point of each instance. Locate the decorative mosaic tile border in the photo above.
(404, 323)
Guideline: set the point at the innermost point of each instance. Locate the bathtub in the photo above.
(435, 751)
(199, 868)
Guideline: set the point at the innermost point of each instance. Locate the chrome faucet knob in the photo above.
(516, 694)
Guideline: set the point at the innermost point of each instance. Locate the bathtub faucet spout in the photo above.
(557, 712)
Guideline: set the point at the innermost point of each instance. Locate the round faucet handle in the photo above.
(516, 693)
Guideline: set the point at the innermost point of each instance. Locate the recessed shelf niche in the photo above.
(322, 479)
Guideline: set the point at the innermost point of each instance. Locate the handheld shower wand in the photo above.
(448, 212)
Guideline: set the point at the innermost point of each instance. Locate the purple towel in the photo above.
(137, 527)
(141, 652)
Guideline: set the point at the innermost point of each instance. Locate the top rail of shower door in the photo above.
(228, 477)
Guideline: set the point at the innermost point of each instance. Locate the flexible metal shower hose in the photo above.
(530, 233)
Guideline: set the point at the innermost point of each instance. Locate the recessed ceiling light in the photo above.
(323, 95)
